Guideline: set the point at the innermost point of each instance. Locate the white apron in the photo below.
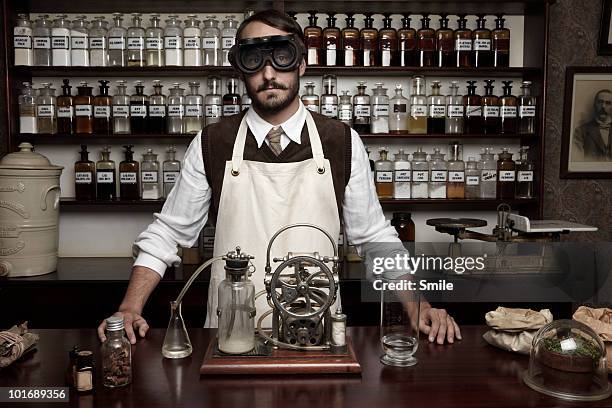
(258, 198)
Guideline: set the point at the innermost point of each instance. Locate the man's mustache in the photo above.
(270, 84)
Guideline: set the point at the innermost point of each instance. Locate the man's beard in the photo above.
(273, 103)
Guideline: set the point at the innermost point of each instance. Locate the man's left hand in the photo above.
(438, 325)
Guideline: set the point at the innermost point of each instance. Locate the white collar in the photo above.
(292, 126)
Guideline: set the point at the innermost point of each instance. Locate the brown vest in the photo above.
(218, 144)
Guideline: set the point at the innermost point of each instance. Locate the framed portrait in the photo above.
(586, 143)
(605, 34)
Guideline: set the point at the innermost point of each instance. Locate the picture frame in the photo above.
(586, 142)
(604, 46)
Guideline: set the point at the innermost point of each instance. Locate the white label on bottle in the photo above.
(472, 111)
(45, 111)
(176, 111)
(472, 180)
(482, 45)
(138, 111)
(312, 56)
(525, 175)
(345, 114)
(121, 111)
(362, 111)
(116, 43)
(22, 41)
(148, 177)
(456, 176)
(418, 111)
(210, 43)
(380, 110)
(105, 177)
(82, 177)
(127, 178)
(348, 57)
(402, 175)
(78, 43)
(491, 111)
(438, 175)
(488, 175)
(508, 112)
(102, 111)
(386, 58)
(329, 110)
(455, 111)
(228, 42)
(41, 43)
(212, 111)
(192, 43)
(60, 42)
(420, 176)
(437, 111)
(312, 107)
(229, 110)
(154, 43)
(366, 58)
(527, 111)
(506, 175)
(97, 43)
(384, 176)
(65, 112)
(170, 176)
(174, 43)
(193, 111)
(83, 110)
(135, 43)
(331, 55)
(462, 44)
(157, 111)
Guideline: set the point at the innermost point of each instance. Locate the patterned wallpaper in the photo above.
(573, 36)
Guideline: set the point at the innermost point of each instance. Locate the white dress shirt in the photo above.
(186, 209)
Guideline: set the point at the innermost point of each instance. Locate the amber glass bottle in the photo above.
(128, 176)
(463, 43)
(313, 35)
(388, 44)
(500, 43)
(102, 110)
(426, 43)
(84, 177)
(445, 51)
(332, 42)
(407, 43)
(508, 110)
(65, 110)
(483, 57)
(506, 175)
(350, 43)
(83, 108)
(473, 110)
(369, 45)
(490, 110)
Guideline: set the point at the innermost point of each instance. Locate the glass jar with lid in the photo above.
(524, 174)
(65, 110)
(456, 172)
(472, 179)
(171, 169)
(506, 175)
(383, 176)
(438, 175)
(361, 109)
(154, 43)
(149, 177)
(345, 109)
(310, 99)
(157, 110)
(27, 109)
(136, 42)
(121, 110)
(329, 98)
(116, 355)
(488, 174)
(79, 39)
(417, 121)
(213, 101)
(22, 41)
(139, 109)
(83, 109)
(192, 42)
(398, 115)
(436, 109)
(193, 109)
(117, 41)
(211, 42)
(173, 42)
(228, 37)
(380, 109)
(401, 175)
(60, 42)
(454, 111)
(527, 110)
(231, 100)
(42, 41)
(98, 43)
(420, 174)
(46, 109)
(176, 110)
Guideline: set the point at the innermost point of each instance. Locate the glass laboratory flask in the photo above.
(176, 342)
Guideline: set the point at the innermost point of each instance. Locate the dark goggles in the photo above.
(284, 52)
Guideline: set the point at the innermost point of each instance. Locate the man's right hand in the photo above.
(132, 321)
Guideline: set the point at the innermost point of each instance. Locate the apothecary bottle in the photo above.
(171, 168)
(345, 109)
(22, 41)
(192, 42)
(116, 355)
(329, 98)
(136, 42)
(46, 109)
(472, 179)
(42, 41)
(106, 181)
(361, 109)
(417, 122)
(211, 42)
(213, 102)
(121, 110)
(445, 50)
(490, 110)
(455, 188)
(139, 110)
(79, 40)
(388, 44)
(65, 110)
(524, 174)
(231, 100)
(380, 109)
(154, 43)
(500, 44)
(369, 42)
(403, 224)
(526, 110)
(157, 110)
(117, 42)
(506, 175)
(473, 110)
(150, 180)
(83, 109)
(488, 174)
(310, 99)
(60, 42)
(27, 109)
(98, 43)
(407, 41)
(402, 175)
(426, 43)
(508, 110)
(103, 106)
(228, 38)
(84, 177)
(454, 111)
(398, 112)
(436, 106)
(129, 188)
(173, 42)
(176, 110)
(313, 37)
(481, 38)
(420, 174)
(463, 44)
(350, 42)
(332, 42)
(383, 176)
(438, 174)
(194, 109)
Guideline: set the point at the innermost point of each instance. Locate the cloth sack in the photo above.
(14, 342)
(513, 329)
(600, 320)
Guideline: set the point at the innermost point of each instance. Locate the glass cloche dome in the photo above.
(568, 361)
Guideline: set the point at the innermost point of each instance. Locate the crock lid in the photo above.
(27, 159)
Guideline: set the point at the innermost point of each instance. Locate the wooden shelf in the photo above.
(73, 205)
(48, 139)
(453, 204)
(476, 137)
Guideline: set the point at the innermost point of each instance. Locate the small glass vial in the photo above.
(329, 98)
(173, 42)
(79, 40)
(211, 42)
(228, 38)
(508, 110)
(84, 372)
(338, 328)
(420, 174)
(500, 43)
(472, 179)
(60, 42)
(176, 110)
(84, 177)
(121, 110)
(139, 110)
(231, 100)
(407, 43)
(527, 110)
(417, 121)
(157, 110)
(116, 355)
(65, 110)
(98, 43)
(524, 174)
(350, 43)
(22, 41)
(506, 176)
(345, 109)
(136, 42)
(488, 174)
(171, 169)
(192, 42)
(154, 43)
(473, 110)
(332, 42)
(361, 109)
(437, 110)
(455, 188)
(463, 43)
(117, 50)
(46, 110)
(27, 109)
(438, 175)
(106, 182)
(454, 111)
(103, 105)
(490, 110)
(310, 99)
(313, 38)
(42, 41)
(401, 175)
(213, 101)
(83, 109)
(194, 118)
(380, 109)
(149, 177)
(383, 175)
(128, 176)
(398, 115)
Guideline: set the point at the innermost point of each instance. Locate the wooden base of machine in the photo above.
(281, 362)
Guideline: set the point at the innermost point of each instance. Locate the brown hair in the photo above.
(276, 19)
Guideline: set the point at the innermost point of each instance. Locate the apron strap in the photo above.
(315, 143)
(237, 154)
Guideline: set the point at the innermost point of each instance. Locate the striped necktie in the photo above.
(274, 137)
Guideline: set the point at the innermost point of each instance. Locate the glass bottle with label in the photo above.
(383, 176)
(103, 105)
(176, 110)
(136, 42)
(407, 42)
(500, 44)
(426, 43)
(83, 109)
(417, 122)
(463, 43)
(361, 109)
(455, 188)
(22, 41)
(150, 177)
(526, 110)
(228, 38)
(154, 43)
(401, 175)
(121, 110)
(313, 38)
(65, 110)
(438, 174)
(506, 175)
(213, 102)
(345, 109)
(490, 110)
(157, 110)
(128, 176)
(436, 120)
(27, 109)
(98, 43)
(445, 47)
(332, 42)
(194, 115)
(508, 110)
(84, 177)
(420, 174)
(380, 109)
(488, 174)
(310, 99)
(473, 110)
(454, 111)
(173, 42)
(231, 100)
(369, 43)
(389, 56)
(481, 36)
(524, 174)
(171, 168)
(398, 113)
(60, 42)
(472, 179)
(192, 42)
(46, 109)
(211, 42)
(139, 109)
(329, 98)
(42, 41)
(117, 43)
(106, 180)
(79, 39)
(350, 43)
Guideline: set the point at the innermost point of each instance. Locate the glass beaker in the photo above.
(176, 341)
